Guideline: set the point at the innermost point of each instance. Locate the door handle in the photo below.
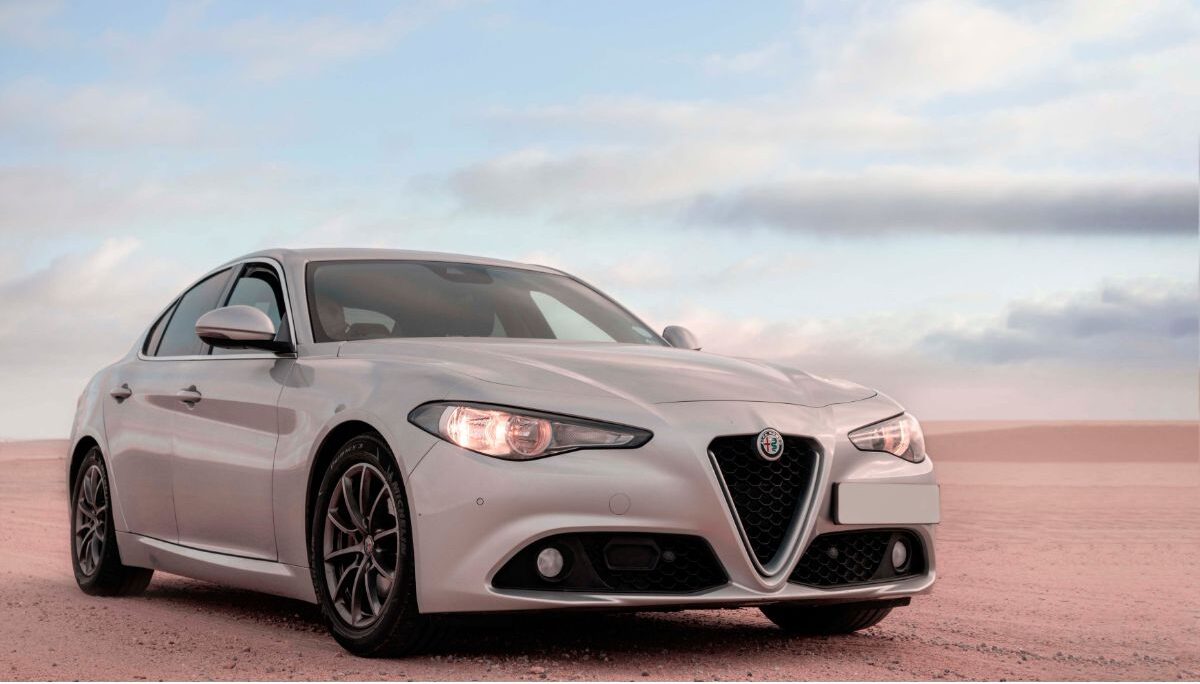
(189, 396)
(121, 393)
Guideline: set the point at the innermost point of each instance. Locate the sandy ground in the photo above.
(1056, 562)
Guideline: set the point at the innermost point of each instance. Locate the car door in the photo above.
(138, 415)
(225, 438)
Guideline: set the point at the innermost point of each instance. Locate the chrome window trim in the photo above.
(238, 265)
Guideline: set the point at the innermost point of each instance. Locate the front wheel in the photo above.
(361, 554)
(826, 620)
(94, 554)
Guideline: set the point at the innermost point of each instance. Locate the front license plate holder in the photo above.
(864, 503)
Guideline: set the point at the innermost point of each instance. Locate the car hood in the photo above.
(643, 373)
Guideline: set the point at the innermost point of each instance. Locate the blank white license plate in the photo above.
(861, 503)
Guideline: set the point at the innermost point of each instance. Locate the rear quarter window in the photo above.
(150, 348)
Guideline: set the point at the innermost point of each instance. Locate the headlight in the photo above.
(520, 435)
(899, 436)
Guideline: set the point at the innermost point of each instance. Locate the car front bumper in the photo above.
(471, 513)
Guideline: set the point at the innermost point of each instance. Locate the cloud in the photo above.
(600, 178)
(39, 202)
(26, 23)
(1092, 103)
(82, 293)
(916, 52)
(271, 49)
(1124, 350)
(732, 186)
(929, 48)
(98, 116)
(268, 47)
(957, 201)
(1122, 324)
(1124, 114)
(64, 321)
(745, 62)
(780, 123)
(937, 116)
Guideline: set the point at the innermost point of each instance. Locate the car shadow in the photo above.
(600, 634)
(604, 634)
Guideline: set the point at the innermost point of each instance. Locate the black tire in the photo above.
(396, 627)
(94, 554)
(826, 620)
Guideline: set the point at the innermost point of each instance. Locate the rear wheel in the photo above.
(834, 619)
(361, 554)
(94, 555)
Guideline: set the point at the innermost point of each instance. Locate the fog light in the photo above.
(899, 555)
(549, 562)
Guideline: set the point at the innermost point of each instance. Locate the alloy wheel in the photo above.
(91, 520)
(361, 545)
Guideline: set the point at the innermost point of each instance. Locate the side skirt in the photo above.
(244, 573)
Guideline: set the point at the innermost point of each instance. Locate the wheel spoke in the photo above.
(355, 549)
(363, 482)
(89, 487)
(341, 583)
(387, 574)
(355, 607)
(342, 527)
(95, 550)
(348, 502)
(375, 504)
(385, 533)
(372, 595)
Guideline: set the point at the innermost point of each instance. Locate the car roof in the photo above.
(303, 256)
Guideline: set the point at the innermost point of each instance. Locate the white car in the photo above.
(397, 436)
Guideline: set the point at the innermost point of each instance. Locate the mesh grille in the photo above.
(853, 558)
(766, 494)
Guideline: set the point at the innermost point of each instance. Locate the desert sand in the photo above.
(1067, 551)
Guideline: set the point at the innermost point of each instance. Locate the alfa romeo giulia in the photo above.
(398, 436)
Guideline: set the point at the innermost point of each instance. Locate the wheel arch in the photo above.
(334, 440)
(78, 452)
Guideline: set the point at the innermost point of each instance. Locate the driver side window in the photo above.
(258, 286)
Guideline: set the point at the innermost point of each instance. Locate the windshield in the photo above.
(361, 300)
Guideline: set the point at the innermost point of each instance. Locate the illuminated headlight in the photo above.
(520, 435)
(899, 436)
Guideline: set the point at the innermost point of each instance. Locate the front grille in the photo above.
(662, 564)
(843, 558)
(766, 495)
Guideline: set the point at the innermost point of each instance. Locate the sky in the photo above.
(985, 210)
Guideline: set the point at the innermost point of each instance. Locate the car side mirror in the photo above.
(680, 337)
(239, 327)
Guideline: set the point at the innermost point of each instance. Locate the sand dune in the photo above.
(1177, 442)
